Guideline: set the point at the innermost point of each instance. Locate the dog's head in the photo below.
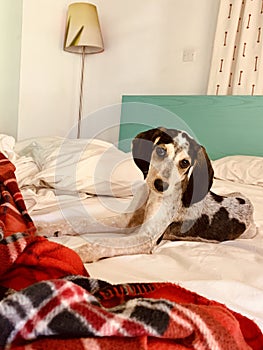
(169, 156)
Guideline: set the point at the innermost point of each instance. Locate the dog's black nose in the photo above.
(160, 185)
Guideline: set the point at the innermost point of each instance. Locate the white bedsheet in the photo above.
(229, 272)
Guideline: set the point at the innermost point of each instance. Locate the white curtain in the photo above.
(237, 61)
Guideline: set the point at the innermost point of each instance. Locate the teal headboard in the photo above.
(225, 125)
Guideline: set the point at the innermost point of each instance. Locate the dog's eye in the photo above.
(184, 163)
(161, 152)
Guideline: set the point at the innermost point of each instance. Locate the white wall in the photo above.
(10, 43)
(144, 44)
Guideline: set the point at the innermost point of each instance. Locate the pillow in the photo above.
(91, 166)
(25, 166)
(242, 169)
(26, 170)
(7, 144)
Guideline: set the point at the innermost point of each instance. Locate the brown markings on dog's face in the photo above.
(169, 166)
(165, 156)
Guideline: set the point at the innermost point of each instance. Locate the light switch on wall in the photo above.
(189, 55)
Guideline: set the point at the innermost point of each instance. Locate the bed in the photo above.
(64, 178)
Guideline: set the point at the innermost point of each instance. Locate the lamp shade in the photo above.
(83, 32)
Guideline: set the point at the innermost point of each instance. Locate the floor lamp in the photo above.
(82, 36)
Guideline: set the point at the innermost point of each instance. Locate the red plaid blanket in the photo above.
(97, 315)
(50, 311)
(13, 213)
(26, 258)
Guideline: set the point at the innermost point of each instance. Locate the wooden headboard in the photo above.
(225, 125)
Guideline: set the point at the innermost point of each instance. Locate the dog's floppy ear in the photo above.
(142, 147)
(200, 180)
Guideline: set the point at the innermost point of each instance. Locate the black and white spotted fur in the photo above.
(164, 154)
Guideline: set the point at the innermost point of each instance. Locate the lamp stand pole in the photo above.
(81, 89)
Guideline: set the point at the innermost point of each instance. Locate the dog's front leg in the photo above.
(142, 239)
(159, 213)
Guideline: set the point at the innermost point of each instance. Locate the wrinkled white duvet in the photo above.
(61, 178)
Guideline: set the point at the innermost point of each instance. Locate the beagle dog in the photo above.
(175, 203)
(172, 161)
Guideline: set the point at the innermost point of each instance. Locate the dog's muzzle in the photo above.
(161, 185)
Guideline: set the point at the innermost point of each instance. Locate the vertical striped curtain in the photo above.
(237, 60)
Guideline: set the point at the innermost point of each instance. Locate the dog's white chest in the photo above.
(158, 215)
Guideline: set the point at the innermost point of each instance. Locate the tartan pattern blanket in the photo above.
(29, 259)
(13, 213)
(25, 257)
(93, 314)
